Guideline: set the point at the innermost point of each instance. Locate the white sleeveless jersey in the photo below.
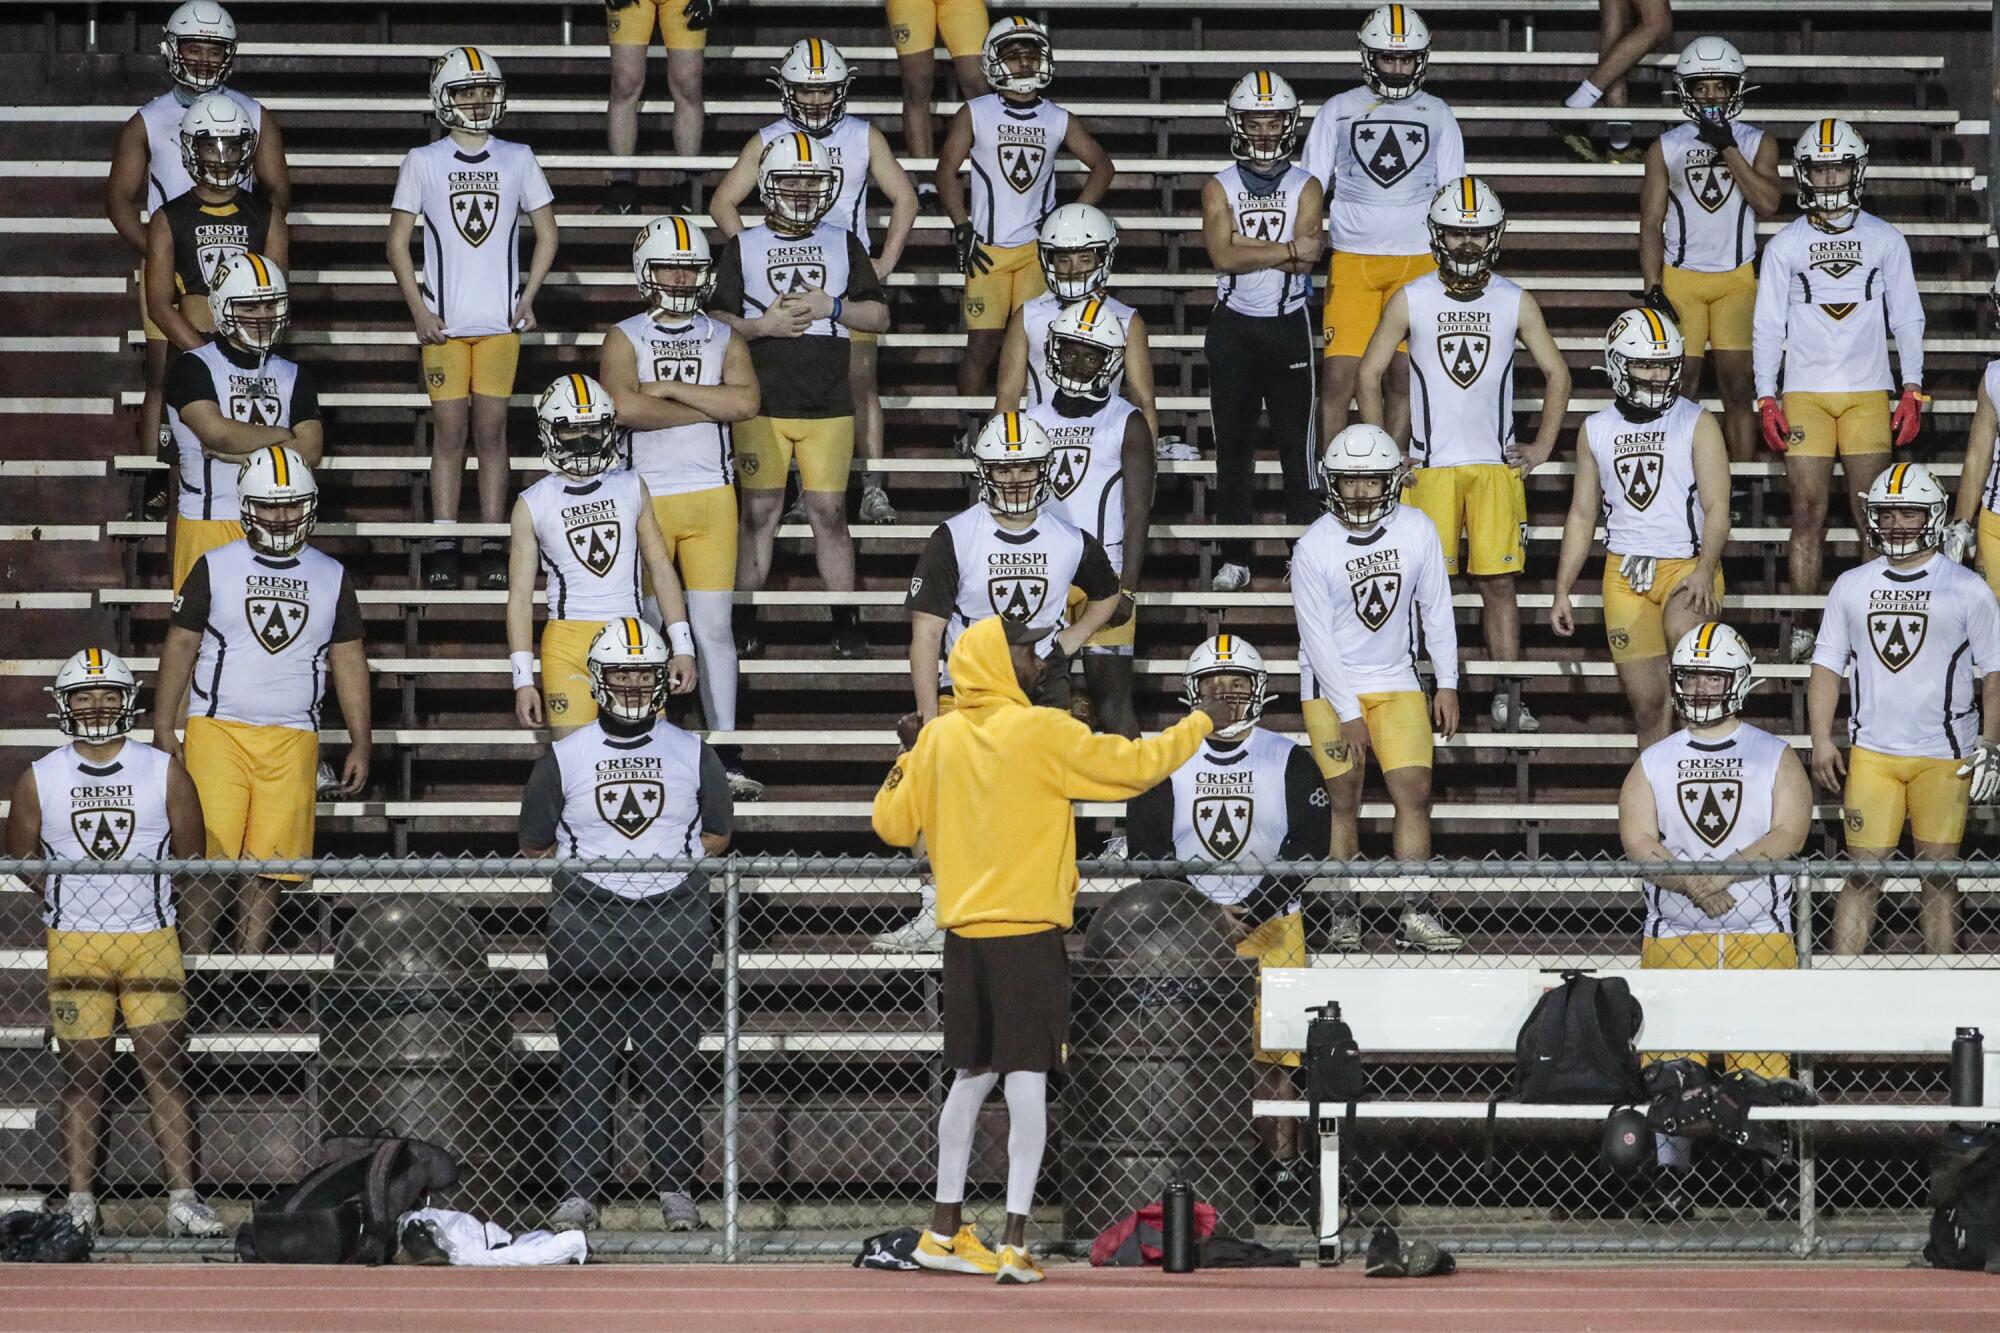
(1918, 641)
(166, 174)
(636, 797)
(1229, 805)
(774, 265)
(1368, 602)
(1024, 575)
(1088, 472)
(1036, 316)
(114, 811)
(588, 533)
(470, 207)
(261, 397)
(1380, 163)
(1264, 216)
(1826, 305)
(1990, 382)
(1013, 165)
(846, 145)
(264, 647)
(1713, 799)
(1651, 503)
(677, 459)
(1710, 227)
(1461, 372)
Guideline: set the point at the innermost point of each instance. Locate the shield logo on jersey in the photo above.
(1066, 469)
(630, 805)
(275, 621)
(1389, 150)
(259, 409)
(796, 277)
(211, 258)
(677, 369)
(1021, 164)
(1017, 596)
(1710, 806)
(1261, 224)
(1463, 356)
(103, 831)
(475, 213)
(1710, 183)
(595, 546)
(1375, 598)
(1897, 636)
(1639, 476)
(1222, 823)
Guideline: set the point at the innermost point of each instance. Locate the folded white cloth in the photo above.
(471, 1243)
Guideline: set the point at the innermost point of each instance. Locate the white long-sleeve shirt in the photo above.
(1361, 599)
(1826, 305)
(1379, 164)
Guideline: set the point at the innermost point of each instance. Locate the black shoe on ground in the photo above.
(749, 642)
(620, 199)
(849, 642)
(493, 570)
(441, 570)
(420, 1242)
(1667, 1199)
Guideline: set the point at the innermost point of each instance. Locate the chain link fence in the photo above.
(765, 1040)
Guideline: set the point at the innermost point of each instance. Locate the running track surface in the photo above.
(770, 1298)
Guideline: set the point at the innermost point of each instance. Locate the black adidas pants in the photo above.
(1262, 365)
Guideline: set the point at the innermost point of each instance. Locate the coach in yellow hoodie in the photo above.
(989, 786)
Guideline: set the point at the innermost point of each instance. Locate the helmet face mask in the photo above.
(257, 322)
(1395, 52)
(1714, 98)
(577, 426)
(1465, 255)
(674, 288)
(1076, 247)
(798, 197)
(1361, 473)
(96, 697)
(627, 664)
(1709, 674)
(1082, 368)
(1014, 489)
(1226, 669)
(467, 91)
(814, 107)
(1650, 384)
(1829, 168)
(1703, 695)
(221, 162)
(1904, 512)
(279, 501)
(1018, 57)
(1263, 138)
(198, 43)
(1362, 500)
(278, 529)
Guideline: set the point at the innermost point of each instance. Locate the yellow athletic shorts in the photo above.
(1761, 953)
(700, 532)
(631, 24)
(565, 677)
(1635, 622)
(1118, 637)
(992, 297)
(96, 974)
(914, 26)
(1279, 942)
(1883, 788)
(1399, 731)
(765, 447)
(257, 785)
(1484, 501)
(196, 537)
(1715, 309)
(1358, 288)
(1989, 547)
(484, 366)
(1843, 423)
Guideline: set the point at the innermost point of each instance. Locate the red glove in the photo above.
(1777, 430)
(1908, 417)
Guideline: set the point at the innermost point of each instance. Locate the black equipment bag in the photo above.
(345, 1212)
(1577, 1044)
(1965, 1192)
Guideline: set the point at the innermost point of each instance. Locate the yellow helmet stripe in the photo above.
(281, 472)
(1470, 200)
(632, 639)
(1826, 135)
(1091, 309)
(1897, 474)
(1707, 639)
(96, 659)
(1653, 322)
(681, 240)
(815, 54)
(803, 142)
(1395, 20)
(1222, 645)
(1263, 83)
(472, 59)
(581, 387)
(258, 267)
(1013, 427)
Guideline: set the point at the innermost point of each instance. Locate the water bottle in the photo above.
(1177, 1228)
(1968, 1068)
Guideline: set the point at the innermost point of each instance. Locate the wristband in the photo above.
(523, 666)
(837, 304)
(680, 639)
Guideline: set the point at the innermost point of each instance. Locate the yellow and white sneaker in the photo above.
(963, 1253)
(1018, 1266)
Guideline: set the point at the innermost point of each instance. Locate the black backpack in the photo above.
(1965, 1189)
(1577, 1044)
(345, 1212)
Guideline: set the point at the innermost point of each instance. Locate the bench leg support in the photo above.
(1329, 1195)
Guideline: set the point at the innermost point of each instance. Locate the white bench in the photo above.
(1424, 1011)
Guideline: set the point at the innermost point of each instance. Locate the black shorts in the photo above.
(1006, 1002)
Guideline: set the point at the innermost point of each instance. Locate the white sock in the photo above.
(1587, 94)
(1027, 1135)
(956, 1125)
(82, 1199)
(445, 543)
(715, 656)
(1675, 1152)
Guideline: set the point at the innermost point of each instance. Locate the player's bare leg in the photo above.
(621, 120)
(1501, 614)
(1396, 399)
(1937, 907)
(918, 70)
(86, 1065)
(684, 83)
(1858, 473)
(982, 354)
(1854, 908)
(1337, 377)
(1410, 794)
(1735, 384)
(1646, 693)
(157, 1048)
(256, 912)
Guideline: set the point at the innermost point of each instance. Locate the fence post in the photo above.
(1802, 930)
(732, 1040)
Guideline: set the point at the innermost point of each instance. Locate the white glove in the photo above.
(1984, 770)
(1175, 449)
(1637, 571)
(1957, 541)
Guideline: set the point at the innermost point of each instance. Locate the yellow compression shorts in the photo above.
(1399, 732)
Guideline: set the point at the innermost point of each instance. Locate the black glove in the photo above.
(698, 13)
(1655, 299)
(972, 257)
(1715, 134)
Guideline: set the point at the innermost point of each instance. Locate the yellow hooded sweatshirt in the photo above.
(989, 787)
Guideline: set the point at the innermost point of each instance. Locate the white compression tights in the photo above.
(957, 1123)
(1027, 1136)
(715, 654)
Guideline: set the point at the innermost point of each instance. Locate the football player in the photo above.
(1653, 469)
(472, 303)
(1979, 483)
(629, 25)
(813, 83)
(189, 237)
(1922, 636)
(1834, 284)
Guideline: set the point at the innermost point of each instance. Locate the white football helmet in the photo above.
(1395, 30)
(1465, 206)
(1263, 116)
(1710, 58)
(1904, 486)
(814, 69)
(218, 142)
(273, 478)
(1830, 144)
(1644, 337)
(1001, 38)
(670, 245)
(1362, 451)
(204, 26)
(1074, 229)
(1085, 350)
(462, 70)
(1009, 440)
(623, 645)
(1712, 648)
(1227, 655)
(95, 669)
(577, 426)
(797, 180)
(250, 302)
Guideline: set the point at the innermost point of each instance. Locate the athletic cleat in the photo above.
(574, 1214)
(1421, 930)
(928, 204)
(678, 1212)
(441, 570)
(1666, 1200)
(493, 570)
(1115, 849)
(920, 934)
(1580, 146)
(1175, 449)
(1017, 1266)
(83, 1216)
(1231, 577)
(850, 643)
(1344, 936)
(622, 198)
(423, 1243)
(327, 782)
(1803, 643)
(1528, 721)
(963, 1253)
(193, 1218)
(875, 506)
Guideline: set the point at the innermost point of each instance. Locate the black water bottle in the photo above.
(1968, 1068)
(1177, 1228)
